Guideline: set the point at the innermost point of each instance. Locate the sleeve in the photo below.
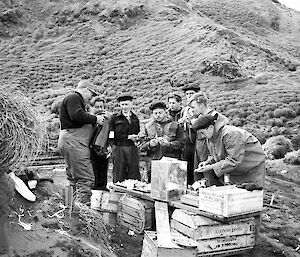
(143, 135)
(77, 113)
(235, 144)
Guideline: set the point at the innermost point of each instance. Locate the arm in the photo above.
(235, 144)
(77, 113)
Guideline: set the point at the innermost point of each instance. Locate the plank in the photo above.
(162, 225)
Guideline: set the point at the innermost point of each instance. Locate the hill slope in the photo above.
(243, 53)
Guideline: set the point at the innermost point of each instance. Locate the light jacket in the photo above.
(168, 129)
(238, 152)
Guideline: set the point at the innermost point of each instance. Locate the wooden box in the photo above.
(213, 236)
(105, 201)
(152, 249)
(168, 178)
(135, 214)
(230, 201)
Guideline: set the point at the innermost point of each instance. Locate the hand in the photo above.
(204, 168)
(133, 137)
(100, 119)
(163, 141)
(202, 164)
(153, 142)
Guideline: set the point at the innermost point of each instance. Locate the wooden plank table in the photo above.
(179, 204)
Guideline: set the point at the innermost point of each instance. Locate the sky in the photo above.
(295, 4)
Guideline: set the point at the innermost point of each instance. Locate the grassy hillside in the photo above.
(243, 53)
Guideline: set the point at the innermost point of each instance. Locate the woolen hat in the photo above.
(88, 85)
(157, 105)
(204, 121)
(125, 97)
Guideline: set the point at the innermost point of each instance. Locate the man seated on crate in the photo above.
(161, 136)
(233, 151)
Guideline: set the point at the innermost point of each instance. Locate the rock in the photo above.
(277, 147)
(262, 78)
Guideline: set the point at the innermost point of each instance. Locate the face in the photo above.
(197, 108)
(98, 107)
(126, 106)
(189, 93)
(174, 105)
(208, 132)
(159, 114)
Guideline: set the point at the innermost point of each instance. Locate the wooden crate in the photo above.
(230, 201)
(198, 227)
(105, 201)
(214, 237)
(109, 217)
(168, 178)
(135, 214)
(152, 249)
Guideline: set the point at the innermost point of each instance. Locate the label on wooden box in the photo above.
(152, 249)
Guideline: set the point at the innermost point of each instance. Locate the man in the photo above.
(175, 106)
(188, 151)
(199, 104)
(162, 136)
(233, 151)
(74, 138)
(99, 144)
(126, 127)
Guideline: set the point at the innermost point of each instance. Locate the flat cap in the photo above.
(176, 96)
(157, 105)
(88, 85)
(125, 97)
(199, 97)
(204, 121)
(195, 88)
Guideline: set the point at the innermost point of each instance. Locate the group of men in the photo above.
(192, 132)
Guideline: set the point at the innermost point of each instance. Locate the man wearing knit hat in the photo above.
(74, 138)
(163, 136)
(126, 127)
(199, 105)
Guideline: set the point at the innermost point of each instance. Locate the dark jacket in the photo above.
(168, 129)
(73, 113)
(176, 115)
(122, 128)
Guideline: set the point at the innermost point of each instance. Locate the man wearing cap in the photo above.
(189, 134)
(76, 131)
(163, 136)
(199, 104)
(233, 151)
(126, 127)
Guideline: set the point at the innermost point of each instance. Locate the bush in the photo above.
(277, 147)
(292, 157)
(286, 112)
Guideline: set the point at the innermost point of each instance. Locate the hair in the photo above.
(97, 99)
(176, 96)
(201, 98)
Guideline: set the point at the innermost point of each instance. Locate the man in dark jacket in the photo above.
(162, 136)
(74, 138)
(126, 126)
(175, 106)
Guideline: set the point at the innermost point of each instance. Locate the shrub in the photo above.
(277, 147)
(286, 112)
(292, 157)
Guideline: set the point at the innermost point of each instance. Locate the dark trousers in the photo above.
(100, 167)
(126, 161)
(188, 153)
